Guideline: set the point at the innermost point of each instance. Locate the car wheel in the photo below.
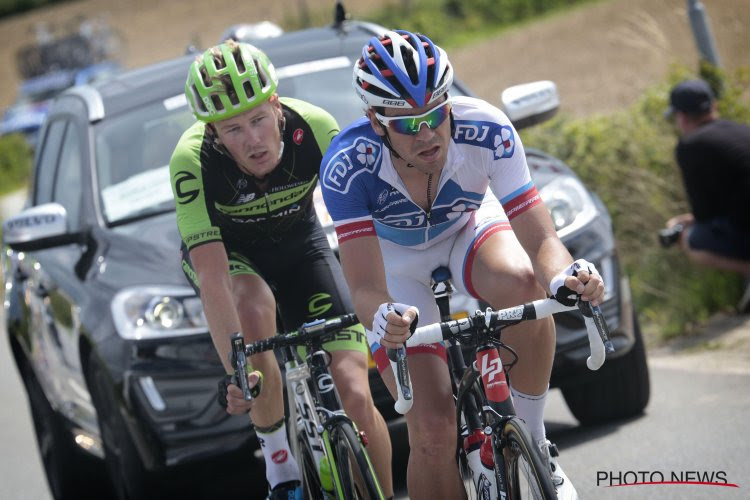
(619, 389)
(69, 470)
(128, 476)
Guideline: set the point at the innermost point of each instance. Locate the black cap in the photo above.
(693, 97)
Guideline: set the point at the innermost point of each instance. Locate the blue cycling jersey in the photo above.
(365, 195)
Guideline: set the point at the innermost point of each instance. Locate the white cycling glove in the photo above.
(379, 321)
(563, 294)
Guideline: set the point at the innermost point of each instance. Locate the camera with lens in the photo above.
(670, 235)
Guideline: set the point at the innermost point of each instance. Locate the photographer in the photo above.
(714, 157)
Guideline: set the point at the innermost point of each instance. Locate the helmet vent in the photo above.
(261, 74)
(218, 105)
(238, 60)
(204, 76)
(248, 88)
(411, 70)
(219, 61)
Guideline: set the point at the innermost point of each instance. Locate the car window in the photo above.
(45, 172)
(132, 158)
(325, 83)
(67, 188)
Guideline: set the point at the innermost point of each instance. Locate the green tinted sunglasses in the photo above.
(411, 124)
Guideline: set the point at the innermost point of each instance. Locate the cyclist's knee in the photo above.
(261, 316)
(357, 402)
(518, 286)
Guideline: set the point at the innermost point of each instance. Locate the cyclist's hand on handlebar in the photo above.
(394, 323)
(230, 396)
(580, 278)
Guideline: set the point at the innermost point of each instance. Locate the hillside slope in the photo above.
(601, 55)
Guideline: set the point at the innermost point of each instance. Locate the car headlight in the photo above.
(148, 312)
(569, 203)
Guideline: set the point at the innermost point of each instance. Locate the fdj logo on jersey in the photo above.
(362, 156)
(498, 138)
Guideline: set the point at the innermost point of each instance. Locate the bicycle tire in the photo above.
(353, 475)
(311, 484)
(528, 477)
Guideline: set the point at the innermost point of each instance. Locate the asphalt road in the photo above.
(21, 473)
(696, 424)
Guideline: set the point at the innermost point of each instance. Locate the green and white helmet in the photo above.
(229, 79)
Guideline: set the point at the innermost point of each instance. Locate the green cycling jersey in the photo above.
(217, 201)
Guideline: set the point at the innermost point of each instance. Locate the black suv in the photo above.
(110, 340)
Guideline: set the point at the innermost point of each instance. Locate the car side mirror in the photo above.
(530, 103)
(38, 228)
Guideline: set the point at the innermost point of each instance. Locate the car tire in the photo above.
(69, 470)
(129, 478)
(619, 389)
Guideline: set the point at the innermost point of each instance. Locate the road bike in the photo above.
(330, 450)
(497, 456)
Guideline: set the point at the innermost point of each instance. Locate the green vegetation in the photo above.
(9, 7)
(450, 23)
(627, 159)
(15, 162)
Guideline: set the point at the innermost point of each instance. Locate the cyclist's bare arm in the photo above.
(549, 256)
(211, 266)
(363, 267)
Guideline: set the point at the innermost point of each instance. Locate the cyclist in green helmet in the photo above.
(243, 178)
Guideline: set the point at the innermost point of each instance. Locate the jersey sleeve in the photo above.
(344, 173)
(193, 219)
(505, 159)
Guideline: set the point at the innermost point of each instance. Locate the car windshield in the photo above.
(132, 158)
(325, 83)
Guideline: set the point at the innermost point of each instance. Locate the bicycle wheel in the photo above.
(527, 475)
(308, 470)
(353, 475)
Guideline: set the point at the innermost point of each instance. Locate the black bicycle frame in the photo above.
(498, 409)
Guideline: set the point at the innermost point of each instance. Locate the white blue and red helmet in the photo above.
(401, 70)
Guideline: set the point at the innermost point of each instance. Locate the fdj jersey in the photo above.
(216, 201)
(365, 195)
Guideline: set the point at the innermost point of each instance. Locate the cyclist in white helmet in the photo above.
(426, 180)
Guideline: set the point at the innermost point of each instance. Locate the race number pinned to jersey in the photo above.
(498, 138)
(362, 156)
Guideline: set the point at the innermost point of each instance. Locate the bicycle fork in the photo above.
(500, 408)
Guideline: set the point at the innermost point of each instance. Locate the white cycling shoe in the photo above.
(563, 486)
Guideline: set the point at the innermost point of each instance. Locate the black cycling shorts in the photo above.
(305, 276)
